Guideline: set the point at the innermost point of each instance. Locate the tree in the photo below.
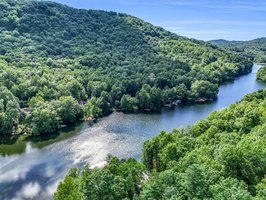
(12, 115)
(261, 74)
(117, 92)
(120, 179)
(156, 98)
(261, 189)
(196, 181)
(69, 110)
(128, 103)
(9, 112)
(213, 159)
(91, 109)
(230, 189)
(242, 164)
(43, 119)
(149, 97)
(104, 102)
(204, 89)
(68, 190)
(76, 89)
(96, 88)
(58, 54)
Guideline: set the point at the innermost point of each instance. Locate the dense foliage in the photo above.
(220, 157)
(261, 74)
(254, 49)
(63, 64)
(118, 180)
(9, 111)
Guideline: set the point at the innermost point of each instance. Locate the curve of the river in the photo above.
(32, 169)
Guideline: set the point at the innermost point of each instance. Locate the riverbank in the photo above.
(169, 154)
(43, 163)
(26, 132)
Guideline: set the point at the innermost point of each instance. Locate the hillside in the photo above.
(60, 65)
(254, 49)
(220, 157)
(223, 42)
(261, 74)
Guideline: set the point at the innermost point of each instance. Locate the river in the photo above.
(32, 169)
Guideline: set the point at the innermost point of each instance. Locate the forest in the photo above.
(261, 74)
(59, 65)
(220, 157)
(253, 49)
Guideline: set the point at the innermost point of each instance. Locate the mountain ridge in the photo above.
(53, 55)
(254, 49)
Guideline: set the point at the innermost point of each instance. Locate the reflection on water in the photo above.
(17, 145)
(33, 168)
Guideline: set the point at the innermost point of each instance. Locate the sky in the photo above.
(199, 19)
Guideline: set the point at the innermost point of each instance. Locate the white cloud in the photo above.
(28, 191)
(11, 171)
(49, 171)
(51, 189)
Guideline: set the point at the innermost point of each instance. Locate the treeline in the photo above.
(261, 74)
(52, 56)
(253, 49)
(220, 157)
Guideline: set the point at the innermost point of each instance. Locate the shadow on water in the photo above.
(57, 135)
(8, 140)
(65, 133)
(10, 145)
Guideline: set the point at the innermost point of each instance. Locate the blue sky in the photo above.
(200, 19)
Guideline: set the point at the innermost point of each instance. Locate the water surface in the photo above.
(32, 169)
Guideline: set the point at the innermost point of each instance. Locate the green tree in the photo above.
(261, 189)
(76, 89)
(230, 189)
(201, 89)
(68, 190)
(43, 119)
(9, 112)
(104, 102)
(261, 74)
(128, 103)
(69, 110)
(43, 61)
(91, 109)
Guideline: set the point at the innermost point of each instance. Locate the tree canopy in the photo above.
(220, 157)
(261, 74)
(64, 64)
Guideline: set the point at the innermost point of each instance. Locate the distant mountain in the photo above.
(223, 42)
(254, 49)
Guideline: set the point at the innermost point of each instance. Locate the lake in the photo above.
(32, 169)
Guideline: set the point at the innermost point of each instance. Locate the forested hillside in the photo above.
(59, 65)
(220, 157)
(254, 49)
(261, 74)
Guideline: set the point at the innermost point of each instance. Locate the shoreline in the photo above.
(93, 119)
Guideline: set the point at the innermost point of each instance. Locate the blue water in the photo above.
(32, 170)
